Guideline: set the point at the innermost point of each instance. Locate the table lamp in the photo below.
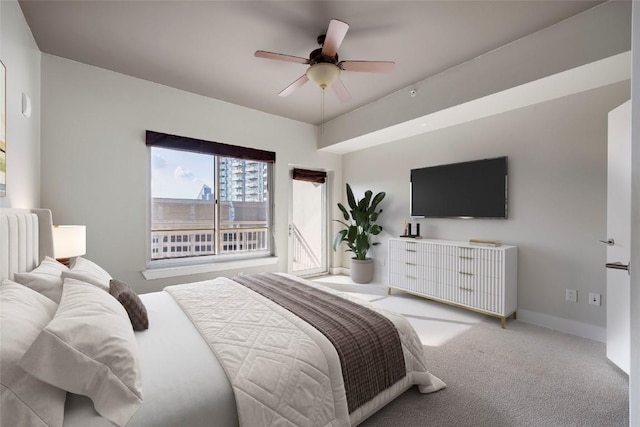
(69, 241)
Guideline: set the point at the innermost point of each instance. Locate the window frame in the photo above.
(218, 150)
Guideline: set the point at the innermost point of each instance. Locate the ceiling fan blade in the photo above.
(368, 66)
(293, 86)
(281, 57)
(335, 34)
(341, 91)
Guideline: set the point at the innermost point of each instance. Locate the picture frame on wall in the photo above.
(3, 130)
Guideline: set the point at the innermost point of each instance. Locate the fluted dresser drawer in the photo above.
(479, 278)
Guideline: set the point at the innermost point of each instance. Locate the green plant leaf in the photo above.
(358, 216)
(350, 198)
(352, 232)
(362, 246)
(377, 199)
(340, 235)
(366, 200)
(344, 212)
(362, 207)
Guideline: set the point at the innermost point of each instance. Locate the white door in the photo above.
(619, 236)
(308, 223)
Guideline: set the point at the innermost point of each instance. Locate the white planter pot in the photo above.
(362, 270)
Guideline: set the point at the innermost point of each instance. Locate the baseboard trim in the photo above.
(567, 326)
(336, 271)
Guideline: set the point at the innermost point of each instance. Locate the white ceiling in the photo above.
(206, 47)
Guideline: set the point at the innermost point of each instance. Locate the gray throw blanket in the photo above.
(367, 343)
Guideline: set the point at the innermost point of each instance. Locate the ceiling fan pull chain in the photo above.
(321, 111)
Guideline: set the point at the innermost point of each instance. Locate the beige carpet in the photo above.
(520, 376)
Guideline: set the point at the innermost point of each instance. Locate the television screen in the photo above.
(476, 189)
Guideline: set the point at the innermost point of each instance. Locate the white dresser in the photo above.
(478, 278)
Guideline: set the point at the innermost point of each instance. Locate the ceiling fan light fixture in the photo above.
(323, 74)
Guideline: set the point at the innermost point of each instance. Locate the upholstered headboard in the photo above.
(25, 239)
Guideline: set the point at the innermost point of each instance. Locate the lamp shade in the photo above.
(323, 74)
(69, 240)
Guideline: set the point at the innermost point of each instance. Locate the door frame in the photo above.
(634, 378)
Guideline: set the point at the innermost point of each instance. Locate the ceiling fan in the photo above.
(325, 67)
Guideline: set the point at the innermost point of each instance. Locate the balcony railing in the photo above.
(234, 240)
(201, 242)
(303, 255)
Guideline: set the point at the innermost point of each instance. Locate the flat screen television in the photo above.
(476, 189)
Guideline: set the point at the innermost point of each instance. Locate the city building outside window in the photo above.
(208, 205)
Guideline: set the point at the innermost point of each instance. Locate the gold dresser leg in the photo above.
(515, 315)
(388, 291)
(503, 322)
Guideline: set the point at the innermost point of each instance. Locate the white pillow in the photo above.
(45, 279)
(90, 272)
(89, 348)
(25, 400)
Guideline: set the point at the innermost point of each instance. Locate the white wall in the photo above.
(21, 57)
(95, 165)
(557, 194)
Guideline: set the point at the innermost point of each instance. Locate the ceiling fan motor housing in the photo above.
(316, 57)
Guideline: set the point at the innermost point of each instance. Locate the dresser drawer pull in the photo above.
(411, 277)
(410, 250)
(465, 273)
(410, 263)
(465, 289)
(465, 257)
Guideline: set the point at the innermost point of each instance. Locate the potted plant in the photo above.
(360, 222)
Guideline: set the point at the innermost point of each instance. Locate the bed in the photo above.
(220, 352)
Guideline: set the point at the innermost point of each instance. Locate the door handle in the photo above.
(608, 242)
(619, 266)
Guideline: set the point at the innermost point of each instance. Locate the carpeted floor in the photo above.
(520, 376)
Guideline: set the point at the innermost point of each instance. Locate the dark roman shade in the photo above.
(163, 140)
(310, 176)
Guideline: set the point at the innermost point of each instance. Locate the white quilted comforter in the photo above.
(283, 371)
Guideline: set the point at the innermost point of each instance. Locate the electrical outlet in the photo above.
(571, 295)
(594, 298)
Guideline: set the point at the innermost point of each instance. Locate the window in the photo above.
(201, 200)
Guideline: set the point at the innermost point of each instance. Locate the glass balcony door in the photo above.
(308, 228)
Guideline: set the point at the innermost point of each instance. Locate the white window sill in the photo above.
(185, 270)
